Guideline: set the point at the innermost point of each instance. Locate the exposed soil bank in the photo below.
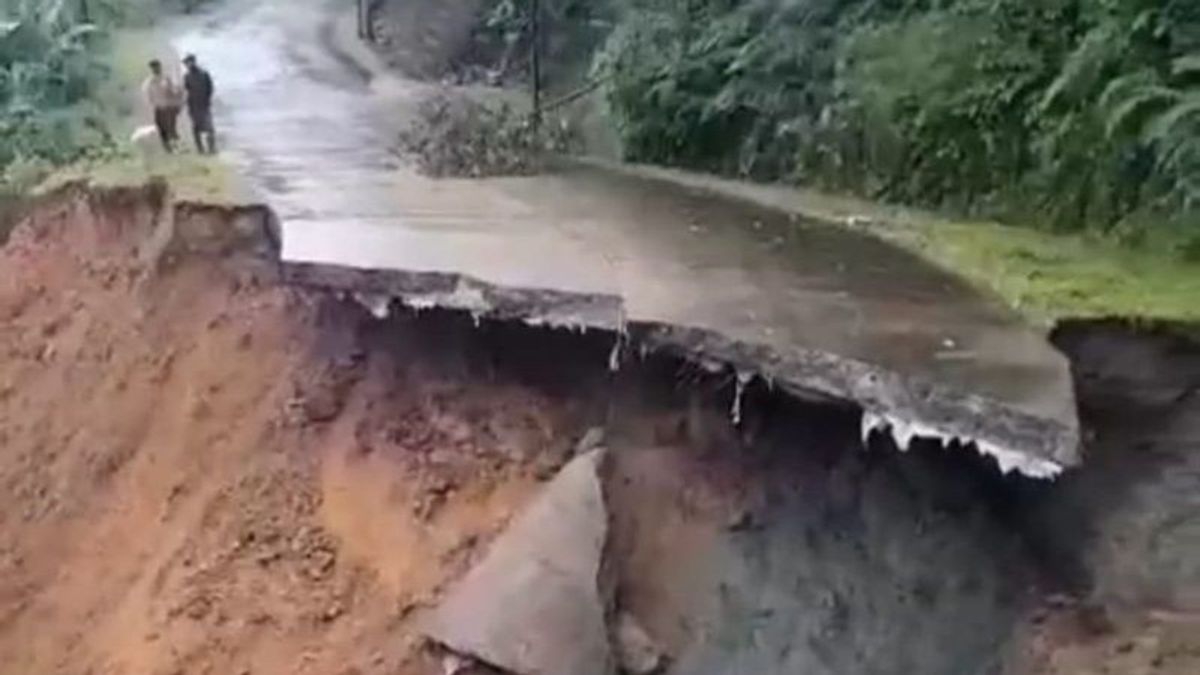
(1128, 526)
(1121, 536)
(271, 480)
(205, 473)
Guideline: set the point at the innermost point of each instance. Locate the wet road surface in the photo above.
(315, 136)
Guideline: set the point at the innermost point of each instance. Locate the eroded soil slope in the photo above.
(202, 472)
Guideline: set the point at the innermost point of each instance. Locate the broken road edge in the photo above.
(907, 407)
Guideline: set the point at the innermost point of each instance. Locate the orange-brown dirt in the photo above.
(198, 476)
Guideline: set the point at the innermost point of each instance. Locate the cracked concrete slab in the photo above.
(814, 308)
(536, 604)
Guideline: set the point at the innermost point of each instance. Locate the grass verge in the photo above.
(1044, 276)
(1048, 277)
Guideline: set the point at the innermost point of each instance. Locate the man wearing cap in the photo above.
(199, 87)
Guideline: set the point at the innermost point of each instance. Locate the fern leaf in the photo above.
(1186, 66)
(1081, 70)
(1170, 124)
(1123, 87)
(1131, 112)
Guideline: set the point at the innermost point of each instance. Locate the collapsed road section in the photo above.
(816, 310)
(810, 308)
(272, 479)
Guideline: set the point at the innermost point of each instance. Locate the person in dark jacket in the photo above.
(199, 87)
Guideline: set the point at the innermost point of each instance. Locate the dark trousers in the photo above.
(167, 122)
(202, 128)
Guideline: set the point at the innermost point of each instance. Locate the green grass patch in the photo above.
(1044, 276)
(1048, 276)
(192, 177)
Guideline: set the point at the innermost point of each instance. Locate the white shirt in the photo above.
(161, 91)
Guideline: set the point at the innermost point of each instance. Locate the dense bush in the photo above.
(458, 136)
(1077, 113)
(47, 65)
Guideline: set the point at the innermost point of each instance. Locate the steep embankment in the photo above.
(1122, 535)
(199, 471)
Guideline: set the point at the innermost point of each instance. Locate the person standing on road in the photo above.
(163, 96)
(199, 86)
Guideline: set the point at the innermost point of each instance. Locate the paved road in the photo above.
(313, 133)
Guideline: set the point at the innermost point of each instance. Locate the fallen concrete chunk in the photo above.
(535, 604)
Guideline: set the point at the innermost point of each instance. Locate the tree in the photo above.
(1076, 113)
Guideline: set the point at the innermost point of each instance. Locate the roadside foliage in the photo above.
(47, 66)
(53, 56)
(1074, 114)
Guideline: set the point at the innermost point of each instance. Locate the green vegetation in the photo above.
(1081, 117)
(48, 66)
(1050, 276)
(572, 30)
(1077, 120)
(69, 70)
(1045, 276)
(1071, 114)
(192, 177)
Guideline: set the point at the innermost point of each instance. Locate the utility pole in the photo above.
(535, 23)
